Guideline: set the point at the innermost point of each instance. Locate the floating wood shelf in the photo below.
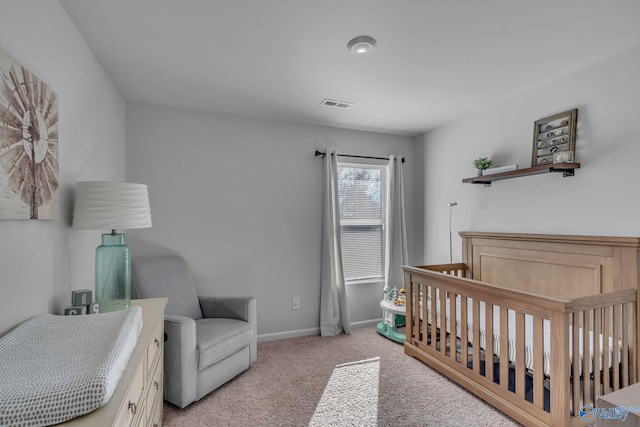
(565, 168)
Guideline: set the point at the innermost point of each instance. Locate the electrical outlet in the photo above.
(296, 303)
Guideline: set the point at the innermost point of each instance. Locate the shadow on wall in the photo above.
(141, 247)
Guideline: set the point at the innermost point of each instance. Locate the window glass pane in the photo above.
(359, 193)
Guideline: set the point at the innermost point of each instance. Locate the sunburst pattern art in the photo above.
(28, 144)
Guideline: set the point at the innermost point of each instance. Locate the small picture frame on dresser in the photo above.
(552, 135)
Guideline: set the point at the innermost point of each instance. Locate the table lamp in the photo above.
(103, 205)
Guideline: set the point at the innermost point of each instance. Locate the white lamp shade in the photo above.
(111, 206)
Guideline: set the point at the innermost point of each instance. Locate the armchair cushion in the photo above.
(219, 338)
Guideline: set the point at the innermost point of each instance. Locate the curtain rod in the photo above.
(324, 153)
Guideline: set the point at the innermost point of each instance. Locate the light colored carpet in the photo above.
(362, 379)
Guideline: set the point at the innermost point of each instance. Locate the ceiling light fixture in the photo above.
(362, 45)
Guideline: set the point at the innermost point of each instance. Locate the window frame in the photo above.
(383, 166)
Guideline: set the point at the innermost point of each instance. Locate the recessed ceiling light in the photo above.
(362, 45)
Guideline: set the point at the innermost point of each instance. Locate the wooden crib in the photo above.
(507, 321)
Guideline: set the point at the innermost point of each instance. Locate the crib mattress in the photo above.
(55, 368)
(512, 334)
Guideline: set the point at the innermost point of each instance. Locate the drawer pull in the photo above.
(155, 424)
(133, 407)
(156, 342)
(157, 385)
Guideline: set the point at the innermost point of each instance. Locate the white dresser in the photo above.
(137, 401)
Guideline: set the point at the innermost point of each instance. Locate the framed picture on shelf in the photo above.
(552, 135)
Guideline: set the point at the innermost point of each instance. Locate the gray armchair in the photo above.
(208, 341)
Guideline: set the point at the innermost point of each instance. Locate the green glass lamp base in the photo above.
(113, 273)
(107, 306)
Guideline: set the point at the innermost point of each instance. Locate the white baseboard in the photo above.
(365, 323)
(288, 334)
(310, 331)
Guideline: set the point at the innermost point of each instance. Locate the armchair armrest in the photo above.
(180, 360)
(241, 308)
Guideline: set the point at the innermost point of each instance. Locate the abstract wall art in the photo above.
(28, 144)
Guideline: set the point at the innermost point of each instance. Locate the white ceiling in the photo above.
(436, 60)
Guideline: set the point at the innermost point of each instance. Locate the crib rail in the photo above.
(522, 360)
(458, 269)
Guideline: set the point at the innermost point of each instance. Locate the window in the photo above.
(362, 200)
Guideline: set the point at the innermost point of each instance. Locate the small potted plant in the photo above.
(482, 163)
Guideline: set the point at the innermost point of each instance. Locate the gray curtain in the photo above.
(396, 253)
(334, 310)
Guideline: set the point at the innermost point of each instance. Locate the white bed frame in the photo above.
(583, 283)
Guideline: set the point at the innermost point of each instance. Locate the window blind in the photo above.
(362, 220)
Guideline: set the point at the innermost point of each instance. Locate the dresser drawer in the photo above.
(154, 396)
(155, 347)
(132, 405)
(155, 420)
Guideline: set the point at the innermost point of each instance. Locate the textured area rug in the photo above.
(362, 379)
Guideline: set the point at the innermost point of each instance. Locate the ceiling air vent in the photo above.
(336, 104)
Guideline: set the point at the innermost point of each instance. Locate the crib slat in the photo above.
(452, 316)
(633, 346)
(597, 349)
(575, 359)
(615, 359)
(413, 302)
(443, 321)
(425, 315)
(625, 345)
(559, 375)
(432, 317)
(409, 286)
(415, 311)
(606, 349)
(538, 362)
(520, 349)
(586, 351)
(476, 336)
(464, 342)
(504, 348)
(411, 314)
(488, 331)
(464, 338)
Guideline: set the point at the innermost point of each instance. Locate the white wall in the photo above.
(42, 261)
(601, 199)
(241, 200)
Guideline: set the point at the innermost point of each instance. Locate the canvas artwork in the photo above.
(28, 144)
